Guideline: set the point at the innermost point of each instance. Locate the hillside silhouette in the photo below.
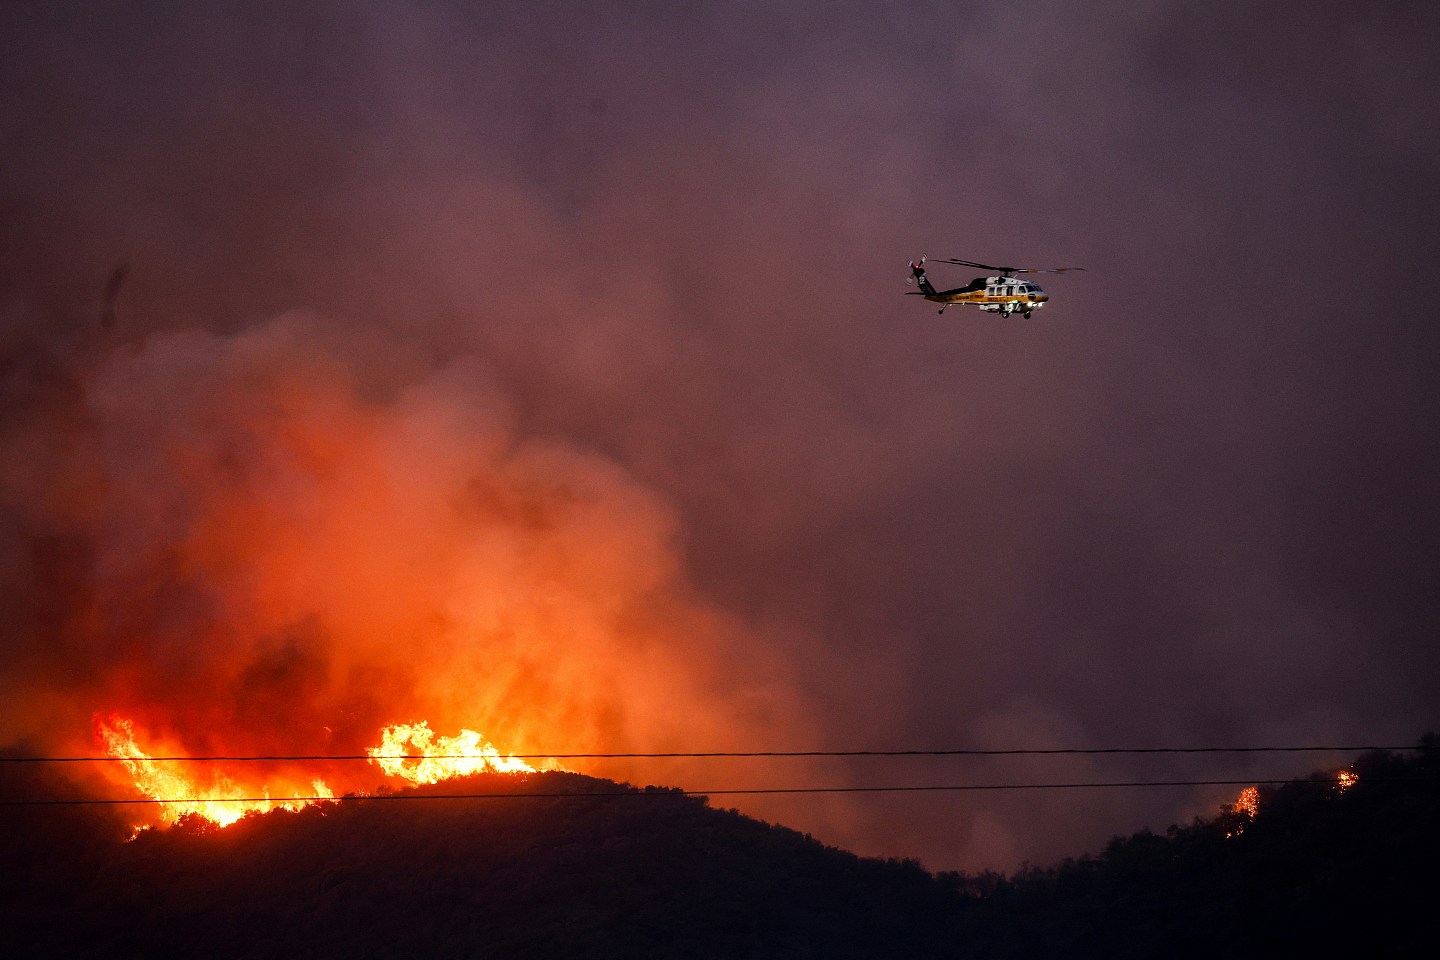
(645, 873)
(1319, 871)
(654, 873)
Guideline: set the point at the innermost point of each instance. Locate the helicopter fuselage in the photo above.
(1002, 295)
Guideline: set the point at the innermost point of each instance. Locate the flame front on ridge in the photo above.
(220, 800)
(413, 751)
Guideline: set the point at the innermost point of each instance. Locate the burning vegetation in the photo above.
(415, 753)
(182, 791)
(182, 786)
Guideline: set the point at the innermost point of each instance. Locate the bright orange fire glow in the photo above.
(413, 751)
(1345, 780)
(216, 798)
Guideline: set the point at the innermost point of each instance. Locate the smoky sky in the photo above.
(1190, 503)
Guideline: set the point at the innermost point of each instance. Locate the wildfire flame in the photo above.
(218, 798)
(411, 751)
(414, 752)
(1345, 779)
(1246, 805)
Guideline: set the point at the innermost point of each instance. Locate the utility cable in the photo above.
(723, 754)
(749, 791)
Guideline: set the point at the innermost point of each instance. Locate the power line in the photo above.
(725, 754)
(676, 792)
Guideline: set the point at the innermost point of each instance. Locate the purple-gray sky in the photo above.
(1192, 502)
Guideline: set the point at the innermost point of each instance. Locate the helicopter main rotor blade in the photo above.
(972, 263)
(1008, 270)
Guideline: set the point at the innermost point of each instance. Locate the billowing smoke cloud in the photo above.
(246, 552)
(513, 331)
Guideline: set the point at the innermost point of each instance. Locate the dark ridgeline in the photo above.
(1317, 870)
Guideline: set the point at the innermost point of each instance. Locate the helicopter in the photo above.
(1002, 294)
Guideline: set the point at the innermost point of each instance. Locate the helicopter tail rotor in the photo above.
(917, 277)
(917, 269)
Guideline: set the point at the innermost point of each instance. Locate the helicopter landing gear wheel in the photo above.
(1027, 314)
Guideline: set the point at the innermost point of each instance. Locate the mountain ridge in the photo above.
(560, 865)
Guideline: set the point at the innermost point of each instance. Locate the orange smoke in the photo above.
(287, 542)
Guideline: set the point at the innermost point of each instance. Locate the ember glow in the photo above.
(1245, 807)
(413, 751)
(1345, 779)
